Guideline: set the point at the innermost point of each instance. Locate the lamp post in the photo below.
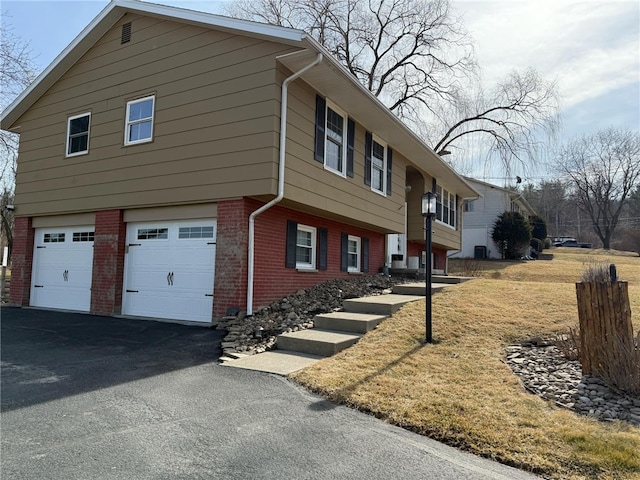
(428, 212)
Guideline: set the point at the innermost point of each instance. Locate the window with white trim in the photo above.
(353, 253)
(78, 134)
(446, 208)
(306, 247)
(469, 206)
(378, 166)
(335, 151)
(139, 121)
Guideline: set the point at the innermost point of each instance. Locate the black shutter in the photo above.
(351, 134)
(434, 185)
(365, 255)
(292, 240)
(389, 167)
(344, 252)
(321, 111)
(323, 248)
(368, 143)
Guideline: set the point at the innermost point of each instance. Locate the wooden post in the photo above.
(606, 331)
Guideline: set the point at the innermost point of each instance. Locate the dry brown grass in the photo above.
(460, 391)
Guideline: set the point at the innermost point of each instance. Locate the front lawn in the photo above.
(461, 392)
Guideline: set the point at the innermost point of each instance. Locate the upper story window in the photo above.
(334, 152)
(78, 134)
(334, 138)
(377, 164)
(446, 206)
(378, 167)
(139, 121)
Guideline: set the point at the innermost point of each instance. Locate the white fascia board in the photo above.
(381, 107)
(211, 19)
(74, 43)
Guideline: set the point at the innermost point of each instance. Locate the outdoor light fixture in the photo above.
(428, 212)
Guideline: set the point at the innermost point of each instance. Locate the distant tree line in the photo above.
(596, 197)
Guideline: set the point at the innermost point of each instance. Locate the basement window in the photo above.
(306, 247)
(353, 254)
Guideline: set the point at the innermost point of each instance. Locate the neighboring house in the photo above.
(480, 215)
(176, 164)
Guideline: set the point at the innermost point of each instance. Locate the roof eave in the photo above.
(372, 114)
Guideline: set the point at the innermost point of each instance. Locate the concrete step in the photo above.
(417, 288)
(347, 321)
(316, 342)
(379, 304)
(451, 280)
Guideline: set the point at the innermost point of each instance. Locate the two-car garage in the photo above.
(168, 269)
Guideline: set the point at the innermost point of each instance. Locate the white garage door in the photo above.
(169, 270)
(62, 266)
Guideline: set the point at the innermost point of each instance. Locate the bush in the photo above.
(511, 234)
(537, 245)
(538, 228)
(547, 243)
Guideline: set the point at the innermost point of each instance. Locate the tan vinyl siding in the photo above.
(215, 123)
(185, 212)
(309, 184)
(79, 219)
(443, 235)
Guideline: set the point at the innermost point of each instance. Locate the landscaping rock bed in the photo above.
(256, 334)
(545, 372)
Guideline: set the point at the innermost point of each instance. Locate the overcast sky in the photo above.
(591, 47)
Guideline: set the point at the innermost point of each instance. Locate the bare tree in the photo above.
(17, 71)
(516, 118)
(602, 169)
(401, 50)
(416, 56)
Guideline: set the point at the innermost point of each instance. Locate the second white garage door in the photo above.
(169, 270)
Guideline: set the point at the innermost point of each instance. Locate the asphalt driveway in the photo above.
(86, 397)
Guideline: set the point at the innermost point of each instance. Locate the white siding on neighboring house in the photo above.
(481, 214)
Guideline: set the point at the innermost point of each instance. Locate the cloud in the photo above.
(590, 47)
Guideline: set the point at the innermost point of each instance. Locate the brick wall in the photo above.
(272, 280)
(108, 263)
(21, 261)
(230, 286)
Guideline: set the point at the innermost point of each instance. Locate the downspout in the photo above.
(280, 196)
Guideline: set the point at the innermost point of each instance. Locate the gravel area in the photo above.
(256, 334)
(545, 372)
